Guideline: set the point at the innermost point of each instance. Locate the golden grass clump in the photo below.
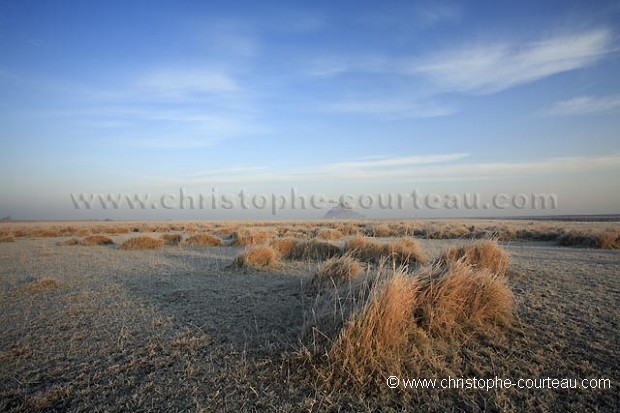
(348, 229)
(455, 296)
(395, 322)
(225, 231)
(329, 234)
(402, 251)
(314, 249)
(260, 257)
(481, 255)
(247, 237)
(41, 285)
(364, 249)
(118, 230)
(70, 241)
(405, 251)
(96, 240)
(172, 239)
(609, 239)
(203, 240)
(142, 243)
(285, 246)
(336, 270)
(45, 233)
(378, 339)
(381, 231)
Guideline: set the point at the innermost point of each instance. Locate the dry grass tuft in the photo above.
(45, 233)
(172, 239)
(118, 230)
(314, 250)
(97, 240)
(260, 257)
(394, 322)
(203, 240)
(481, 255)
(329, 234)
(247, 237)
(402, 251)
(459, 295)
(7, 238)
(225, 231)
(603, 240)
(285, 246)
(348, 229)
(365, 249)
(405, 251)
(70, 241)
(187, 340)
(142, 243)
(377, 340)
(335, 271)
(42, 285)
(381, 231)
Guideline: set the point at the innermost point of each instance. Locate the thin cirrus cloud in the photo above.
(584, 105)
(158, 108)
(484, 68)
(182, 82)
(346, 169)
(439, 168)
(491, 68)
(390, 109)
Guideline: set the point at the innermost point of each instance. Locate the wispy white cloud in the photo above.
(386, 162)
(489, 68)
(483, 68)
(294, 21)
(413, 15)
(390, 108)
(329, 66)
(584, 105)
(239, 170)
(186, 81)
(440, 168)
(160, 108)
(173, 142)
(360, 168)
(431, 14)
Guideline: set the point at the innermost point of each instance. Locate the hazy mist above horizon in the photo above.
(329, 98)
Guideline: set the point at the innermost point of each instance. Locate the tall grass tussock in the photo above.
(96, 240)
(203, 240)
(481, 255)
(313, 249)
(142, 243)
(245, 237)
(285, 246)
(335, 271)
(395, 321)
(42, 285)
(603, 240)
(259, 257)
(172, 239)
(402, 251)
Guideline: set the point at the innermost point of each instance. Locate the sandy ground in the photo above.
(177, 330)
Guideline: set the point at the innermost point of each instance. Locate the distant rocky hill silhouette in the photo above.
(342, 211)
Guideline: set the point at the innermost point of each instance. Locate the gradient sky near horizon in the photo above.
(326, 97)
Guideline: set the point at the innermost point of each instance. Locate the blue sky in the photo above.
(330, 97)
